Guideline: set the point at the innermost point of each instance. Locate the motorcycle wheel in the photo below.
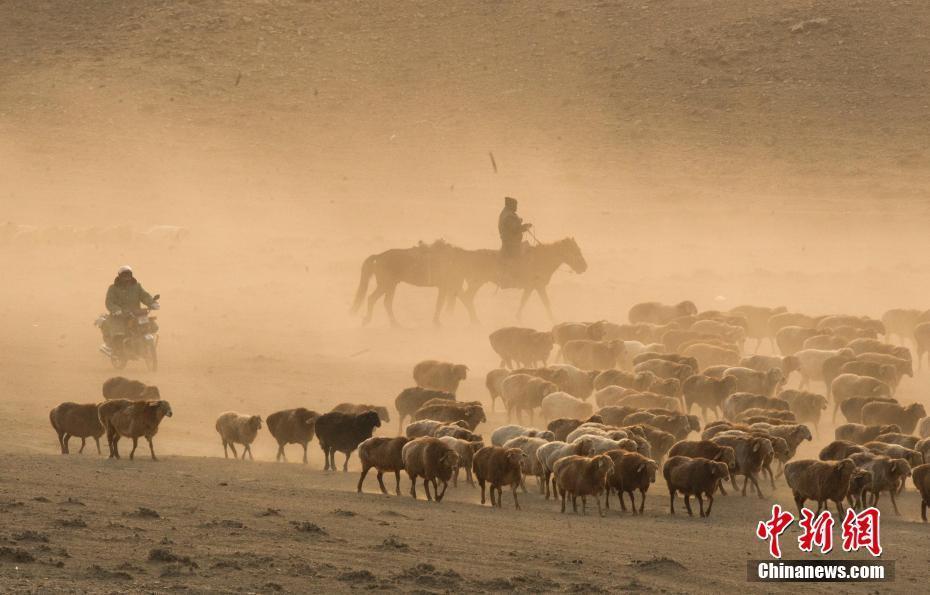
(151, 357)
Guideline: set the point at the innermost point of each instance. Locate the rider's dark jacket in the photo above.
(126, 296)
(511, 228)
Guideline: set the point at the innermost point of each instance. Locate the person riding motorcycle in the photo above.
(124, 297)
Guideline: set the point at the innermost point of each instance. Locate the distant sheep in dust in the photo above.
(119, 387)
(385, 455)
(292, 426)
(77, 420)
(132, 419)
(343, 432)
(438, 375)
(235, 428)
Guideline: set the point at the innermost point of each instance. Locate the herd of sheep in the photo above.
(617, 402)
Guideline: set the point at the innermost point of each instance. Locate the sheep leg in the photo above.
(397, 477)
(232, 447)
(436, 489)
(597, 498)
(151, 448)
(721, 488)
(491, 493)
(894, 503)
(768, 471)
(710, 502)
(584, 505)
(64, 444)
(83, 442)
(923, 510)
(688, 503)
(281, 448)
(413, 486)
(135, 444)
(440, 495)
(481, 483)
(245, 449)
(642, 501)
(839, 508)
(671, 500)
(700, 500)
(468, 476)
(799, 500)
(607, 498)
(755, 483)
(251, 456)
(455, 477)
(97, 440)
(115, 446)
(345, 466)
(516, 502)
(563, 502)
(225, 450)
(361, 478)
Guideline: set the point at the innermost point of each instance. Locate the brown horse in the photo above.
(531, 272)
(422, 266)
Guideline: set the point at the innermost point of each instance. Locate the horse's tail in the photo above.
(368, 269)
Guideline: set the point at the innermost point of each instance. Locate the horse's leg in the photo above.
(389, 304)
(440, 298)
(372, 300)
(544, 297)
(467, 298)
(523, 299)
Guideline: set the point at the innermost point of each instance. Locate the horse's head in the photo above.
(571, 255)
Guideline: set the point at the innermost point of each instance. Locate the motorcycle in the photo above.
(140, 340)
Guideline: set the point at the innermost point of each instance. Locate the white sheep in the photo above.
(235, 428)
(505, 433)
(561, 404)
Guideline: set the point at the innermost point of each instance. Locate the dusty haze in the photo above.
(696, 150)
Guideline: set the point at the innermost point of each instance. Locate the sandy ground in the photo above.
(727, 153)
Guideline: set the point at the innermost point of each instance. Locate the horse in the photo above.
(531, 272)
(422, 266)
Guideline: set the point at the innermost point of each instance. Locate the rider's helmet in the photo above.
(124, 270)
(510, 202)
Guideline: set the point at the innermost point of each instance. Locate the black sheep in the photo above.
(344, 432)
(124, 388)
(411, 399)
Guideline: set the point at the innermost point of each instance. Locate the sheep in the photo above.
(763, 363)
(737, 403)
(235, 428)
(411, 399)
(886, 373)
(456, 432)
(862, 322)
(466, 451)
(760, 414)
(668, 387)
(674, 340)
(566, 331)
(499, 466)
(632, 471)
(665, 369)
(850, 332)
(73, 419)
(858, 484)
(678, 425)
(860, 434)
(438, 375)
(790, 339)
(599, 429)
(382, 412)
(669, 357)
(716, 427)
(891, 413)
(920, 475)
(752, 381)
(709, 355)
(292, 426)
(505, 433)
(905, 440)
(132, 419)
(531, 464)
(852, 408)
(780, 449)
(640, 381)
(593, 355)
(492, 382)
(693, 477)
(431, 459)
(901, 322)
(521, 346)
(903, 365)
(549, 453)
(124, 388)
(472, 413)
(642, 332)
(560, 404)
(657, 313)
(582, 476)
(611, 395)
(846, 386)
(733, 333)
(614, 414)
(650, 400)
(385, 455)
(820, 481)
(922, 341)
(840, 449)
(659, 442)
(895, 451)
(887, 475)
(574, 381)
(751, 453)
(793, 434)
(832, 367)
(706, 449)
(806, 406)
(559, 428)
(601, 444)
(812, 361)
(757, 318)
(830, 341)
(343, 432)
(781, 320)
(425, 427)
(708, 393)
(863, 345)
(522, 392)
(923, 428)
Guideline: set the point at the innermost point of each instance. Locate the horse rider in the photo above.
(511, 229)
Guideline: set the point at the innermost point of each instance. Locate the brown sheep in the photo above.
(561, 427)
(694, 477)
(632, 471)
(518, 346)
(355, 409)
(895, 451)
(665, 369)
(641, 381)
(831, 341)
(780, 320)
(757, 318)
(708, 354)
(905, 440)
(411, 399)
(658, 313)
(852, 408)
(839, 450)
(923, 447)
(860, 434)
(921, 477)
(883, 372)
(891, 413)
(79, 420)
(751, 454)
(706, 449)
(457, 432)
(763, 363)
(887, 475)
(522, 392)
(493, 382)
(650, 401)
(431, 459)
(292, 426)
(847, 386)
(234, 428)
(752, 381)
(132, 419)
(669, 357)
(807, 407)
(866, 345)
(707, 393)
(858, 485)
(737, 403)
(614, 414)
(472, 413)
(564, 332)
(438, 375)
(790, 339)
(611, 395)
(820, 481)
(901, 362)
(593, 355)
(124, 388)
(754, 413)
(499, 466)
(385, 455)
(678, 425)
(466, 451)
(582, 476)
